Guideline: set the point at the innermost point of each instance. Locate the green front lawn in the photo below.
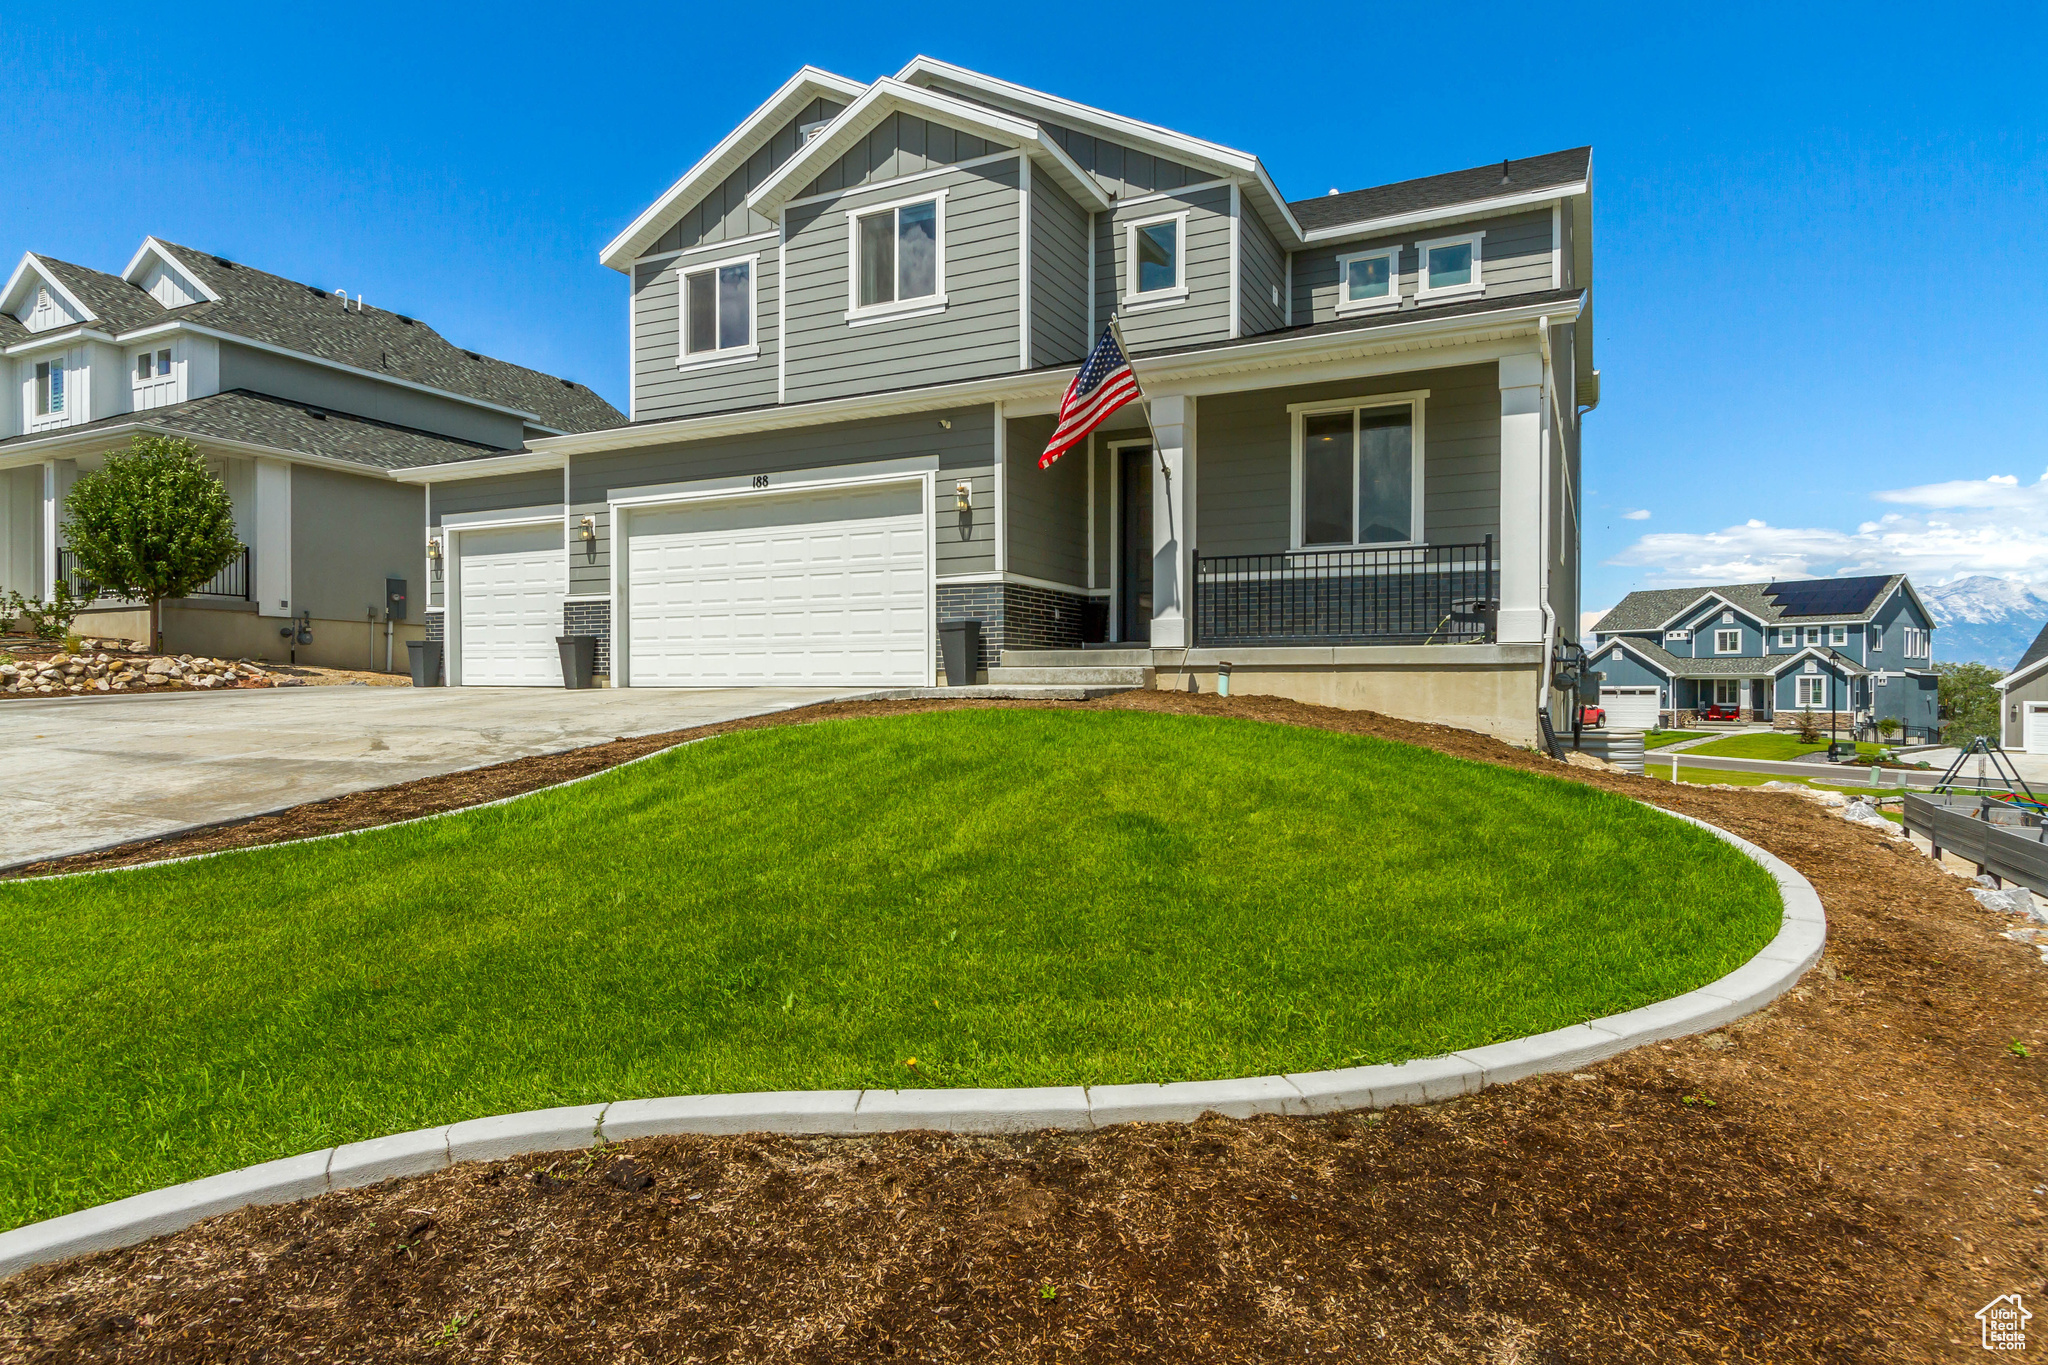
(1011, 897)
(1657, 739)
(1777, 746)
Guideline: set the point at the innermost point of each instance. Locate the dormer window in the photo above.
(899, 258)
(718, 311)
(1154, 247)
(49, 388)
(1368, 280)
(1449, 265)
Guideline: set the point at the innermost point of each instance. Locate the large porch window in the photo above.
(1358, 472)
(1728, 692)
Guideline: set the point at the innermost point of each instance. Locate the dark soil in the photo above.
(1847, 1176)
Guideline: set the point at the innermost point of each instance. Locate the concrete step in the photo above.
(1071, 675)
(1077, 658)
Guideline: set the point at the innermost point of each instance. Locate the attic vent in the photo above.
(224, 263)
(1503, 170)
(403, 318)
(472, 355)
(568, 383)
(318, 290)
(316, 414)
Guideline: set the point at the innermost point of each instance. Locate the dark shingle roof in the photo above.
(119, 304)
(259, 419)
(1651, 608)
(1724, 666)
(1443, 191)
(2036, 651)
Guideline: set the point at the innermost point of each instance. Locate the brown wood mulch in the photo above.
(1847, 1176)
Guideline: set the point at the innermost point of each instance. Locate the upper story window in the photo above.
(1449, 265)
(718, 311)
(1728, 641)
(1358, 472)
(1917, 645)
(1155, 248)
(1838, 636)
(1368, 279)
(151, 366)
(49, 388)
(1788, 637)
(1877, 638)
(1813, 634)
(1678, 635)
(899, 256)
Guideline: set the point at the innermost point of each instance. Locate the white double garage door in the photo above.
(827, 587)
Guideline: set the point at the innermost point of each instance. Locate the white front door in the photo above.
(1630, 708)
(2034, 734)
(510, 606)
(830, 587)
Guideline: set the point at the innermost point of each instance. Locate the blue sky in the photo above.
(1820, 302)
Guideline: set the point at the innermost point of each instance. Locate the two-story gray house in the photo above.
(1856, 650)
(851, 325)
(302, 400)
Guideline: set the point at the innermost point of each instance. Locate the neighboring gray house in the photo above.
(1849, 648)
(852, 322)
(302, 401)
(2024, 696)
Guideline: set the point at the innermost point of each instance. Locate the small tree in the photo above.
(151, 524)
(1888, 727)
(1809, 728)
(1969, 703)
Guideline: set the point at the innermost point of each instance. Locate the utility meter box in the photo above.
(394, 598)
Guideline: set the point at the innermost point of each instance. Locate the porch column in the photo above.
(1521, 500)
(1173, 520)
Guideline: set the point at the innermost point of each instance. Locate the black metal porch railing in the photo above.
(1422, 594)
(231, 581)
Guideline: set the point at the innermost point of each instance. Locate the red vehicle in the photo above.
(1592, 717)
(1722, 713)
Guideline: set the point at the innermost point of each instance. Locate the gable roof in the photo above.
(2031, 662)
(1655, 608)
(260, 419)
(38, 268)
(1724, 665)
(729, 155)
(1498, 183)
(886, 97)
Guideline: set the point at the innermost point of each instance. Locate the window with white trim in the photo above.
(1155, 249)
(1678, 635)
(1369, 279)
(1358, 472)
(153, 367)
(1813, 635)
(1449, 265)
(898, 255)
(718, 310)
(1838, 636)
(1728, 692)
(1728, 642)
(50, 387)
(1788, 637)
(1812, 691)
(1877, 639)
(1916, 643)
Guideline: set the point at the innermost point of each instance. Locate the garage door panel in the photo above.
(825, 587)
(1631, 708)
(510, 606)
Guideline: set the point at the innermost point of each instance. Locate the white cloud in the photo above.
(1964, 526)
(1639, 514)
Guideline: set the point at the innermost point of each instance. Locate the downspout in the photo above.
(1543, 531)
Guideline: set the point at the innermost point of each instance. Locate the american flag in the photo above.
(1104, 384)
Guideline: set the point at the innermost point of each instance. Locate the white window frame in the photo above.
(1422, 250)
(923, 304)
(1876, 638)
(1811, 691)
(1734, 687)
(1815, 635)
(1415, 400)
(1678, 635)
(1721, 637)
(159, 377)
(1838, 637)
(1156, 298)
(1788, 637)
(49, 400)
(1346, 305)
(686, 359)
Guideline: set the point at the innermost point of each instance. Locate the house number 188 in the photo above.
(760, 481)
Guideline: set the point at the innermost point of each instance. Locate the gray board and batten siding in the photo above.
(900, 145)
(722, 214)
(1514, 256)
(1123, 171)
(965, 452)
(977, 334)
(1245, 453)
(349, 534)
(1262, 269)
(1059, 275)
(1204, 315)
(496, 493)
(1047, 509)
(661, 388)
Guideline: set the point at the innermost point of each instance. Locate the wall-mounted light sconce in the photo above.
(963, 497)
(587, 531)
(434, 549)
(946, 423)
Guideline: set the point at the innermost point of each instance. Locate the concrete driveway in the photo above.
(83, 773)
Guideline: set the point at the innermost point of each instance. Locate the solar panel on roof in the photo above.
(1825, 596)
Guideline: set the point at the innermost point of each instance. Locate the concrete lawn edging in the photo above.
(1802, 930)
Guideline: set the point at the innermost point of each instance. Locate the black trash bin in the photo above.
(579, 659)
(425, 657)
(960, 648)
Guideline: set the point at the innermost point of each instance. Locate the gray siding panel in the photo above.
(1047, 509)
(349, 534)
(540, 488)
(1205, 314)
(1059, 275)
(1123, 171)
(1515, 257)
(242, 367)
(900, 145)
(1244, 458)
(660, 389)
(976, 335)
(1262, 267)
(722, 214)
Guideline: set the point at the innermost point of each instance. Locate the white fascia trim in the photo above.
(1697, 603)
(521, 462)
(673, 497)
(2012, 679)
(1621, 642)
(540, 514)
(152, 247)
(1475, 208)
(722, 160)
(29, 260)
(651, 257)
(1845, 668)
(1213, 156)
(44, 341)
(103, 438)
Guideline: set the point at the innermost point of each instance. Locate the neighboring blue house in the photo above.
(1857, 650)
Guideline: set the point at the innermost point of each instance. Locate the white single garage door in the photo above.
(827, 588)
(510, 599)
(2034, 731)
(1630, 708)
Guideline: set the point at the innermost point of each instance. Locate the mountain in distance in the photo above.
(1982, 619)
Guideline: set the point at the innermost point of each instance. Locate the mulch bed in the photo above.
(1847, 1176)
